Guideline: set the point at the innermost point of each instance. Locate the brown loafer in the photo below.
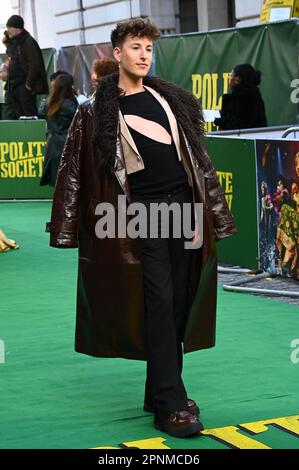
(179, 424)
(192, 407)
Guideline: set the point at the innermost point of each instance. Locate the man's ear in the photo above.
(117, 54)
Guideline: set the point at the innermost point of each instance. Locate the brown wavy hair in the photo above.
(61, 89)
(103, 67)
(139, 27)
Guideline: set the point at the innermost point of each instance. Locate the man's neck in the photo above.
(129, 85)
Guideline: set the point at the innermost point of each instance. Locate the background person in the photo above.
(101, 68)
(58, 110)
(7, 107)
(243, 107)
(26, 72)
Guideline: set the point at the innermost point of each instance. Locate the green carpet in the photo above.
(52, 397)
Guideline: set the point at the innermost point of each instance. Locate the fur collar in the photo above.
(106, 107)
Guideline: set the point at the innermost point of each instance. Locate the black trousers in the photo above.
(23, 101)
(165, 263)
(8, 110)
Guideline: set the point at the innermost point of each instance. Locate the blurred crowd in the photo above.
(23, 77)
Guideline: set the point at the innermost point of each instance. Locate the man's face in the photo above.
(13, 32)
(297, 166)
(135, 56)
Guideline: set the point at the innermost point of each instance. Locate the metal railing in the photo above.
(290, 130)
(257, 130)
(235, 286)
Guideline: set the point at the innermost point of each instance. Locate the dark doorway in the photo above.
(188, 16)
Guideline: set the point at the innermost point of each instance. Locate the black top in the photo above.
(163, 171)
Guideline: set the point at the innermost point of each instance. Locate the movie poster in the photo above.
(278, 206)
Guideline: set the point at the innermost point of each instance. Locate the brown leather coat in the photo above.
(110, 313)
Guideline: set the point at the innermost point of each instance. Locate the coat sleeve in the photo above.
(224, 225)
(223, 221)
(64, 219)
(33, 56)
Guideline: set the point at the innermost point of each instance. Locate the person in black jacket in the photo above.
(26, 73)
(243, 107)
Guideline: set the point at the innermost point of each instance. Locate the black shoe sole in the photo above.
(194, 410)
(183, 431)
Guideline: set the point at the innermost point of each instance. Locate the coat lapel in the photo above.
(128, 158)
(132, 157)
(171, 119)
(126, 133)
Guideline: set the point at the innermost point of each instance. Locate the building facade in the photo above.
(56, 23)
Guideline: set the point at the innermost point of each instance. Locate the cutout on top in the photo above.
(150, 129)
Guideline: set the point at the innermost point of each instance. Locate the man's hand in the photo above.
(5, 38)
(196, 235)
(28, 88)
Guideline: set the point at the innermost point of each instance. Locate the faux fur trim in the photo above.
(106, 107)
